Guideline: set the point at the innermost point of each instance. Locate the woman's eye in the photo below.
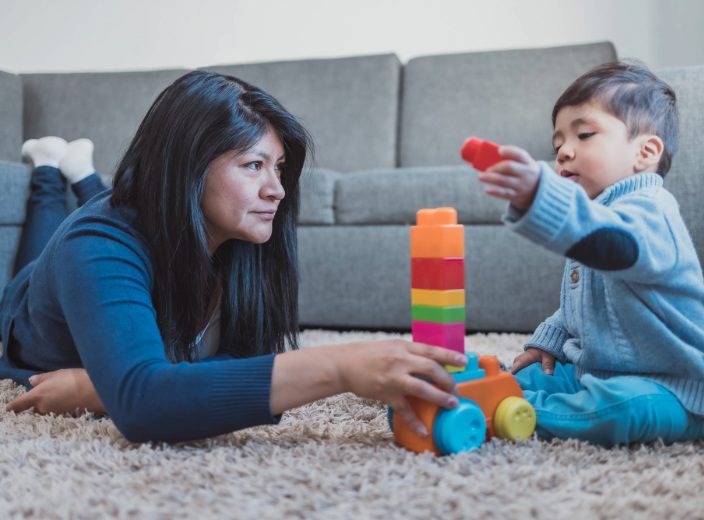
(254, 166)
(585, 135)
(280, 168)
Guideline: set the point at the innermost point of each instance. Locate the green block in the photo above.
(438, 314)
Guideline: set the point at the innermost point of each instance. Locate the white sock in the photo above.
(47, 151)
(77, 162)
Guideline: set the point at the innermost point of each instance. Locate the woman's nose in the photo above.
(273, 189)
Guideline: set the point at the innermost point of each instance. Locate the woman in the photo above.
(168, 302)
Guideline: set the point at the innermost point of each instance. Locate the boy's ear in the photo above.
(649, 153)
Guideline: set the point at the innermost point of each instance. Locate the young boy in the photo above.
(629, 333)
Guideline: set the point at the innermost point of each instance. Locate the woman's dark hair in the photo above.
(162, 175)
(633, 94)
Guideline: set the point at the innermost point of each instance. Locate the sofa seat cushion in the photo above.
(317, 196)
(14, 179)
(393, 196)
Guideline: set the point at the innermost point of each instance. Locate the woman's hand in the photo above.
(383, 370)
(534, 355)
(66, 391)
(515, 179)
(387, 370)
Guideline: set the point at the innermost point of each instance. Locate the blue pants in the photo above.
(46, 209)
(618, 410)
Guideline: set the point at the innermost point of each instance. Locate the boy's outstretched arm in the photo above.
(631, 239)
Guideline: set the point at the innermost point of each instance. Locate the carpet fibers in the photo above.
(332, 459)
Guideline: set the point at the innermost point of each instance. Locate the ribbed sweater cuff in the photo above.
(548, 213)
(549, 339)
(241, 392)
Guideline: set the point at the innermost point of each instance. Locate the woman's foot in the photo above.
(47, 151)
(77, 162)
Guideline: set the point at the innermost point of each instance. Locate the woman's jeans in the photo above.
(46, 209)
(617, 410)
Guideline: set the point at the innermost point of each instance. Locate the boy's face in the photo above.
(592, 147)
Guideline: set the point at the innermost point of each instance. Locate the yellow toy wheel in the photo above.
(514, 419)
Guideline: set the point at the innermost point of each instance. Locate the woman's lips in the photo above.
(266, 215)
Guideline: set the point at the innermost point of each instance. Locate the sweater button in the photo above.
(574, 276)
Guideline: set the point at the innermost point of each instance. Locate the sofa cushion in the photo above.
(317, 196)
(349, 105)
(14, 179)
(359, 276)
(686, 177)
(504, 96)
(9, 239)
(105, 107)
(11, 117)
(393, 196)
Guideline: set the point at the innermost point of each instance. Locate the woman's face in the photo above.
(243, 191)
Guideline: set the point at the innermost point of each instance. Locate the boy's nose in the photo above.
(565, 153)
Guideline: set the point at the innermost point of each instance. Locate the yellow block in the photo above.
(452, 369)
(452, 298)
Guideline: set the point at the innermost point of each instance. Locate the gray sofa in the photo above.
(387, 139)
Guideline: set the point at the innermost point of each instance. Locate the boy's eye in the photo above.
(585, 135)
(555, 150)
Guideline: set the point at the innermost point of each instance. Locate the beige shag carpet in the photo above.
(332, 459)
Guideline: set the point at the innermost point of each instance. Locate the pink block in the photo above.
(447, 335)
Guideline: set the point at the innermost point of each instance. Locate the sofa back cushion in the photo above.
(11, 116)
(349, 105)
(105, 107)
(686, 177)
(503, 96)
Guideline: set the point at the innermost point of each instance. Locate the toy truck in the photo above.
(491, 404)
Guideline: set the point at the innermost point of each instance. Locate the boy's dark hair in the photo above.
(633, 94)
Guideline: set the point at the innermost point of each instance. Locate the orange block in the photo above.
(437, 234)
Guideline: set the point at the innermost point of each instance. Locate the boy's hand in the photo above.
(533, 355)
(515, 179)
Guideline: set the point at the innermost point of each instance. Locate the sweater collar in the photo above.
(630, 184)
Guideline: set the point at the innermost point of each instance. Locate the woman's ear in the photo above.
(649, 153)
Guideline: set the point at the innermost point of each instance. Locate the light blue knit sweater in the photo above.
(632, 298)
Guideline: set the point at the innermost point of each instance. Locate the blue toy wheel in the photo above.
(390, 417)
(463, 428)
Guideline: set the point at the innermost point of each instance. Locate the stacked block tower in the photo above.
(437, 280)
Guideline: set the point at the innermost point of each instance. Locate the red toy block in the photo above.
(437, 273)
(446, 335)
(481, 154)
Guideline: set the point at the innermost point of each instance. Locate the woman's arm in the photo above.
(65, 391)
(382, 370)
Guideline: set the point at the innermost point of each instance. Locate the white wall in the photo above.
(100, 35)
